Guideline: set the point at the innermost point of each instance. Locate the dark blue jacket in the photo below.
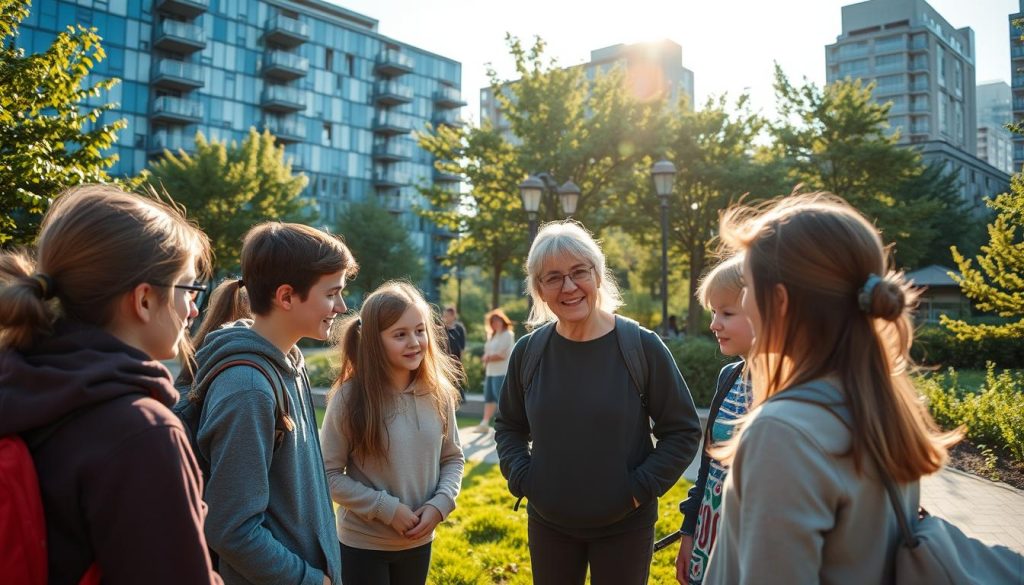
(691, 505)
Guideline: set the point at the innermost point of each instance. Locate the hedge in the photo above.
(936, 346)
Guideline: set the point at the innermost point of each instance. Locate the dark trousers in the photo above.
(385, 567)
(559, 559)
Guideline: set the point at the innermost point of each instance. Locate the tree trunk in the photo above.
(693, 313)
(496, 285)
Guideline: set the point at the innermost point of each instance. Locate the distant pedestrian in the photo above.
(391, 441)
(456, 344)
(84, 321)
(497, 350)
(673, 328)
(804, 502)
(721, 292)
(573, 425)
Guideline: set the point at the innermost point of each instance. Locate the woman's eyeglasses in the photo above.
(555, 280)
(194, 290)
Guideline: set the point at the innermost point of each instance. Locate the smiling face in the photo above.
(729, 323)
(404, 343)
(574, 300)
(315, 315)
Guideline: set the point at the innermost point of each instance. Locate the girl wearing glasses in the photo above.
(592, 474)
(83, 322)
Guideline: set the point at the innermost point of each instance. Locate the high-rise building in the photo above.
(1017, 81)
(342, 99)
(924, 67)
(995, 142)
(652, 71)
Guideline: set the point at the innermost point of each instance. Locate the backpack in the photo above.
(931, 550)
(23, 555)
(630, 346)
(190, 410)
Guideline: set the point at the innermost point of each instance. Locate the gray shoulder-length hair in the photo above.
(569, 238)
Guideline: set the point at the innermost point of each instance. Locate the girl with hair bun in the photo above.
(110, 290)
(834, 410)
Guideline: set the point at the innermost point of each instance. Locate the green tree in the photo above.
(996, 284)
(49, 139)
(229, 188)
(381, 246)
(589, 131)
(838, 139)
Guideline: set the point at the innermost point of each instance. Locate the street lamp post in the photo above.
(664, 173)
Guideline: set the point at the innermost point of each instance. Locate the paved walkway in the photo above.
(989, 511)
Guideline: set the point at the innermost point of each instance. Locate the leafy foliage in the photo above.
(381, 246)
(49, 140)
(229, 188)
(837, 139)
(993, 415)
(996, 284)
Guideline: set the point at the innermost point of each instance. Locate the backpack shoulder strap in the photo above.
(536, 342)
(632, 349)
(282, 412)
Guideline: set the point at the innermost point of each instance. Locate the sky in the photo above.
(730, 45)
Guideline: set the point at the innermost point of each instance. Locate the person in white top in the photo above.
(498, 347)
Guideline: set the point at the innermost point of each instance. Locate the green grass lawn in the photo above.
(484, 540)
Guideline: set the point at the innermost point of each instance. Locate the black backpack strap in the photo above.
(536, 342)
(631, 347)
(283, 421)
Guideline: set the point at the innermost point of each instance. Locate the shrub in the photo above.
(993, 415)
(322, 369)
(937, 346)
(699, 360)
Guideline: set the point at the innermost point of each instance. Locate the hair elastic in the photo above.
(866, 292)
(46, 288)
(358, 323)
(241, 283)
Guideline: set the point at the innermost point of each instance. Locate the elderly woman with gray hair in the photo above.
(574, 419)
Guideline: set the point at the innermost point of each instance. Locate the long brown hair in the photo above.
(822, 251)
(364, 367)
(96, 243)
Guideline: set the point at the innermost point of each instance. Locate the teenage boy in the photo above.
(270, 520)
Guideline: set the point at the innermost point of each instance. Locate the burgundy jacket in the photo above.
(120, 485)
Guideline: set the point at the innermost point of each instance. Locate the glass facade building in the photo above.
(343, 99)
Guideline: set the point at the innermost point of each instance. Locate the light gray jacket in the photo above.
(797, 512)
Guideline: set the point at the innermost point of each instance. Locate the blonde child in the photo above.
(721, 292)
(390, 440)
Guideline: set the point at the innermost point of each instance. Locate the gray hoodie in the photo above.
(270, 513)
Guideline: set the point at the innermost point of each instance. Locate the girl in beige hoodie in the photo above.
(390, 440)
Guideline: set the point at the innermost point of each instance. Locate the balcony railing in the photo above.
(391, 63)
(389, 178)
(283, 98)
(448, 119)
(286, 31)
(392, 123)
(176, 109)
(178, 74)
(448, 97)
(180, 37)
(184, 8)
(285, 129)
(392, 150)
(446, 177)
(392, 93)
(282, 65)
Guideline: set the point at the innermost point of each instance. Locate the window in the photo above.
(327, 133)
(350, 63)
(943, 124)
(328, 59)
(940, 65)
